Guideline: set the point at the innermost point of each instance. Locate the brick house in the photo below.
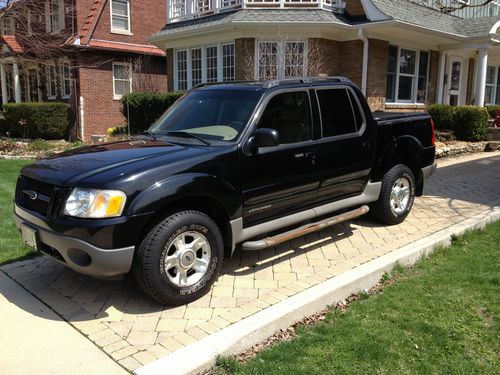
(402, 53)
(88, 53)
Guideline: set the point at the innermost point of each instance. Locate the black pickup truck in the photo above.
(251, 164)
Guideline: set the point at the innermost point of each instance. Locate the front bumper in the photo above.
(76, 254)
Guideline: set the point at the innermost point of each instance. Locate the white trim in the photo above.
(372, 12)
(62, 64)
(129, 16)
(3, 77)
(461, 83)
(203, 47)
(281, 51)
(127, 64)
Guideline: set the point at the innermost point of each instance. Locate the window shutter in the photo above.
(48, 21)
(62, 15)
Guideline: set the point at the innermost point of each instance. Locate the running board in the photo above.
(303, 230)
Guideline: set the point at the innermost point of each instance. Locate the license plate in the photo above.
(29, 236)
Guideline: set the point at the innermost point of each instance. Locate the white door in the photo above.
(455, 81)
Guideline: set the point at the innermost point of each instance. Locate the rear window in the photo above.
(337, 112)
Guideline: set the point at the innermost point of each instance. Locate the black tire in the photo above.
(382, 209)
(149, 262)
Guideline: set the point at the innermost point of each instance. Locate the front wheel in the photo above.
(180, 258)
(396, 196)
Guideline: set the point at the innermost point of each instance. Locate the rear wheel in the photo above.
(396, 196)
(179, 259)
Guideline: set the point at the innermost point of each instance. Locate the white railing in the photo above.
(475, 10)
(181, 10)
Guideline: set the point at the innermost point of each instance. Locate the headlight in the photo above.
(93, 203)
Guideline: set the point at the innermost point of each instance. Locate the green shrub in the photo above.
(471, 123)
(39, 145)
(37, 120)
(492, 110)
(442, 114)
(143, 108)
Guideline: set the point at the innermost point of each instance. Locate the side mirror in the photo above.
(266, 137)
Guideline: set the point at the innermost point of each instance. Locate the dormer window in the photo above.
(7, 26)
(120, 16)
(54, 16)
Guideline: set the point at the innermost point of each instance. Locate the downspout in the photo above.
(364, 74)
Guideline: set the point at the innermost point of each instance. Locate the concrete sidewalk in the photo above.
(40, 342)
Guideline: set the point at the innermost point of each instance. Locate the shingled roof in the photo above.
(12, 43)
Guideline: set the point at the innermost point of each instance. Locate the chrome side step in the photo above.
(303, 230)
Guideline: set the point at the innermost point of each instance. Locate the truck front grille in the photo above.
(37, 196)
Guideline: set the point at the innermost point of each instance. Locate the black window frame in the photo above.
(354, 100)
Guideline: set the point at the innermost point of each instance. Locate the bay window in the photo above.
(278, 59)
(211, 63)
(407, 75)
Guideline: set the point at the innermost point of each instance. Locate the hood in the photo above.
(67, 168)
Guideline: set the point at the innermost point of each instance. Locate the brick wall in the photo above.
(351, 60)
(147, 18)
(433, 77)
(470, 82)
(101, 111)
(354, 8)
(376, 85)
(324, 57)
(244, 58)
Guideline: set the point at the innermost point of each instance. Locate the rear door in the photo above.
(346, 148)
(280, 180)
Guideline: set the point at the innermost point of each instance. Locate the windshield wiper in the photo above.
(178, 133)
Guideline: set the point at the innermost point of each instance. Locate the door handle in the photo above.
(310, 155)
(306, 155)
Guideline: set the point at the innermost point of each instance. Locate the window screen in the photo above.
(337, 115)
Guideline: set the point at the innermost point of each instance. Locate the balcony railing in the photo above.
(181, 10)
(488, 10)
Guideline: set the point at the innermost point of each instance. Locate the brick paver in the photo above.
(135, 330)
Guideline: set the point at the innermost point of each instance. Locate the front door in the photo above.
(455, 81)
(280, 180)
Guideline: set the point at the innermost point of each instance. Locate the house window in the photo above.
(7, 26)
(213, 63)
(490, 85)
(182, 80)
(228, 62)
(196, 66)
(120, 16)
(122, 79)
(281, 60)
(66, 82)
(51, 82)
(54, 15)
(407, 75)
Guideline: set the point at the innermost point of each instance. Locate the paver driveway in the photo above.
(136, 331)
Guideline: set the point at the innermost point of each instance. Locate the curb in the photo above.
(242, 335)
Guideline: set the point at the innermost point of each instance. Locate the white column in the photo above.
(3, 78)
(482, 65)
(17, 83)
(440, 84)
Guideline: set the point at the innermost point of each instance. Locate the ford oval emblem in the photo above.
(33, 195)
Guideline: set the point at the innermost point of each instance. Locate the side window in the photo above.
(337, 114)
(290, 115)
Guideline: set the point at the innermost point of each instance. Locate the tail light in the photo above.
(433, 137)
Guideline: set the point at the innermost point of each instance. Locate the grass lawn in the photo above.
(11, 246)
(440, 317)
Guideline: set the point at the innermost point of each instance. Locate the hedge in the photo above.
(471, 123)
(443, 116)
(145, 108)
(36, 120)
(492, 110)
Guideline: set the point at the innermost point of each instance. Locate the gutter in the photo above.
(366, 45)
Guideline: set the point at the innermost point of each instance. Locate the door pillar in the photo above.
(481, 76)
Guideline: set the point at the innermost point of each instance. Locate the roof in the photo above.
(409, 12)
(429, 18)
(12, 43)
(126, 47)
(89, 23)
(249, 16)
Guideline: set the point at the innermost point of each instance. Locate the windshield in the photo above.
(209, 114)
